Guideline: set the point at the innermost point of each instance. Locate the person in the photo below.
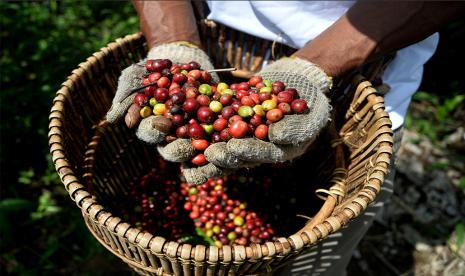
(332, 38)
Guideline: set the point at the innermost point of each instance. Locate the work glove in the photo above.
(178, 52)
(289, 138)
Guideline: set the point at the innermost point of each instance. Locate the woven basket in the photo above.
(96, 161)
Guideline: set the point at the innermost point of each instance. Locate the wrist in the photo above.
(164, 22)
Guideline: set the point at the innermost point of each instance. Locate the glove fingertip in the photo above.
(180, 150)
(147, 133)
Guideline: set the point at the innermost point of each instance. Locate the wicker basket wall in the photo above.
(96, 161)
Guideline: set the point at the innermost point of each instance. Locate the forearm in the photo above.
(371, 29)
(167, 21)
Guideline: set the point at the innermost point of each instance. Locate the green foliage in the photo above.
(460, 232)
(462, 183)
(433, 115)
(42, 42)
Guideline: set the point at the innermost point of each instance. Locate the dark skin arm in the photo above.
(367, 30)
(167, 21)
(372, 28)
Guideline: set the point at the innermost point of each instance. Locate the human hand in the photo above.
(289, 138)
(131, 77)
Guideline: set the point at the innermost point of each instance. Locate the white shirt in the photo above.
(295, 23)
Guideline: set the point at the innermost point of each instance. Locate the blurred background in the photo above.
(42, 232)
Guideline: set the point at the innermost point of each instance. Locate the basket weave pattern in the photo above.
(95, 161)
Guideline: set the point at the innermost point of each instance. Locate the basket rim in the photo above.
(159, 245)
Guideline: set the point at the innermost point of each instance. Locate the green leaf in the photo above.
(462, 183)
(202, 234)
(444, 111)
(15, 205)
(460, 234)
(425, 96)
(25, 177)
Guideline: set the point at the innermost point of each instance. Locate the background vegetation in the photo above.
(41, 42)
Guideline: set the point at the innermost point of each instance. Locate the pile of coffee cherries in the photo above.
(157, 205)
(221, 219)
(192, 106)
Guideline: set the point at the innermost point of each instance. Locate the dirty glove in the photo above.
(292, 135)
(131, 77)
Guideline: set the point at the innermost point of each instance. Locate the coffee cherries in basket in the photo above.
(191, 105)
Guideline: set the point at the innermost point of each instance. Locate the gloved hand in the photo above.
(131, 77)
(289, 137)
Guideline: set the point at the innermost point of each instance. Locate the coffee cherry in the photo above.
(258, 109)
(205, 115)
(226, 99)
(216, 137)
(140, 99)
(238, 221)
(264, 96)
(195, 131)
(179, 78)
(200, 144)
(294, 92)
(238, 129)
(154, 77)
(260, 85)
(277, 87)
(145, 81)
(245, 111)
(285, 97)
(256, 120)
(265, 89)
(255, 97)
(229, 91)
(253, 81)
(191, 92)
(285, 108)
(299, 106)
(205, 89)
(159, 109)
(269, 105)
(178, 98)
(158, 65)
(163, 82)
(177, 119)
(145, 111)
(235, 105)
(274, 115)
(203, 100)
(261, 132)
(205, 77)
(216, 106)
(208, 128)
(241, 93)
(181, 132)
(190, 105)
(149, 65)
(228, 112)
(243, 86)
(220, 124)
(168, 63)
(174, 69)
(194, 65)
(195, 74)
(221, 87)
(247, 101)
(268, 83)
(185, 67)
(234, 118)
(161, 94)
(224, 135)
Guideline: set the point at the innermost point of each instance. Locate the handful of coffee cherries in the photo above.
(191, 105)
